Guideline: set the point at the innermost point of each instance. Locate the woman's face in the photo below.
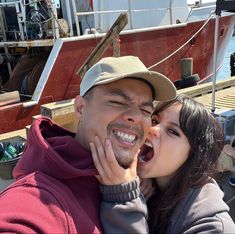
(166, 147)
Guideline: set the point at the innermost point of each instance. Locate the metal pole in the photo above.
(19, 19)
(23, 13)
(130, 14)
(75, 17)
(215, 62)
(55, 25)
(170, 11)
(68, 10)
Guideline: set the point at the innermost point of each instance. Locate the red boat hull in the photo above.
(150, 46)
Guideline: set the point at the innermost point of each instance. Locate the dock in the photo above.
(224, 97)
(63, 114)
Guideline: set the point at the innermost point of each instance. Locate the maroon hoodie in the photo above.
(55, 189)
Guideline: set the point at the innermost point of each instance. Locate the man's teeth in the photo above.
(125, 137)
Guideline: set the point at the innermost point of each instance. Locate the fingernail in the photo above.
(107, 142)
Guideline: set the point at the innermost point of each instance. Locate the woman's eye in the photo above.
(174, 132)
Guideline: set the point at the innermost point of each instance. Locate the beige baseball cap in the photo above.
(110, 69)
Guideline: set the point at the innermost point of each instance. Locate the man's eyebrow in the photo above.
(150, 104)
(120, 93)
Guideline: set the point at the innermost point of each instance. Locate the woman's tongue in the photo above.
(146, 153)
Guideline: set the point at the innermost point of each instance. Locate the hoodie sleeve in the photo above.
(123, 208)
(21, 211)
(202, 211)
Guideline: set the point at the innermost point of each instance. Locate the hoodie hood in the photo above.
(54, 151)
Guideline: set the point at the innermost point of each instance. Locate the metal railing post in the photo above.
(76, 17)
(55, 25)
(19, 19)
(215, 62)
(23, 13)
(170, 11)
(130, 14)
(67, 3)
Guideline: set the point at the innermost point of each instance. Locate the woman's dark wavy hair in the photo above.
(205, 137)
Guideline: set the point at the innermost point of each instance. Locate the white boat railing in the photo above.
(121, 11)
(166, 12)
(168, 15)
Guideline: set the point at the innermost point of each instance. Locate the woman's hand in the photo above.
(147, 188)
(110, 172)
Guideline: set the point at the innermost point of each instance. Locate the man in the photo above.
(56, 190)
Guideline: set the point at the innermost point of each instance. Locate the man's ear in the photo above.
(78, 105)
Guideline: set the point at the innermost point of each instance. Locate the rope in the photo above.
(55, 18)
(200, 29)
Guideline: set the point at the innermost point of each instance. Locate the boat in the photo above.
(44, 43)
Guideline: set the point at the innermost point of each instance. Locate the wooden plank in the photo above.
(206, 88)
(21, 132)
(228, 97)
(103, 45)
(68, 121)
(54, 109)
(225, 102)
(222, 106)
(9, 98)
(61, 113)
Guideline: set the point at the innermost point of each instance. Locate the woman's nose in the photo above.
(155, 131)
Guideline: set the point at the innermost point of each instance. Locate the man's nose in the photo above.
(135, 115)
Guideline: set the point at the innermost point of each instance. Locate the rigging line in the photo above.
(42, 22)
(156, 64)
(230, 200)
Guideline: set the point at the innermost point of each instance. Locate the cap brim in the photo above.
(163, 87)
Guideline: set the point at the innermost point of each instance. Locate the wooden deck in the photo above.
(224, 99)
(7, 135)
(224, 96)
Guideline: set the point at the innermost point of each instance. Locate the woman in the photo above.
(180, 156)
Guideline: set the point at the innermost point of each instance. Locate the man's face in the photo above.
(120, 111)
